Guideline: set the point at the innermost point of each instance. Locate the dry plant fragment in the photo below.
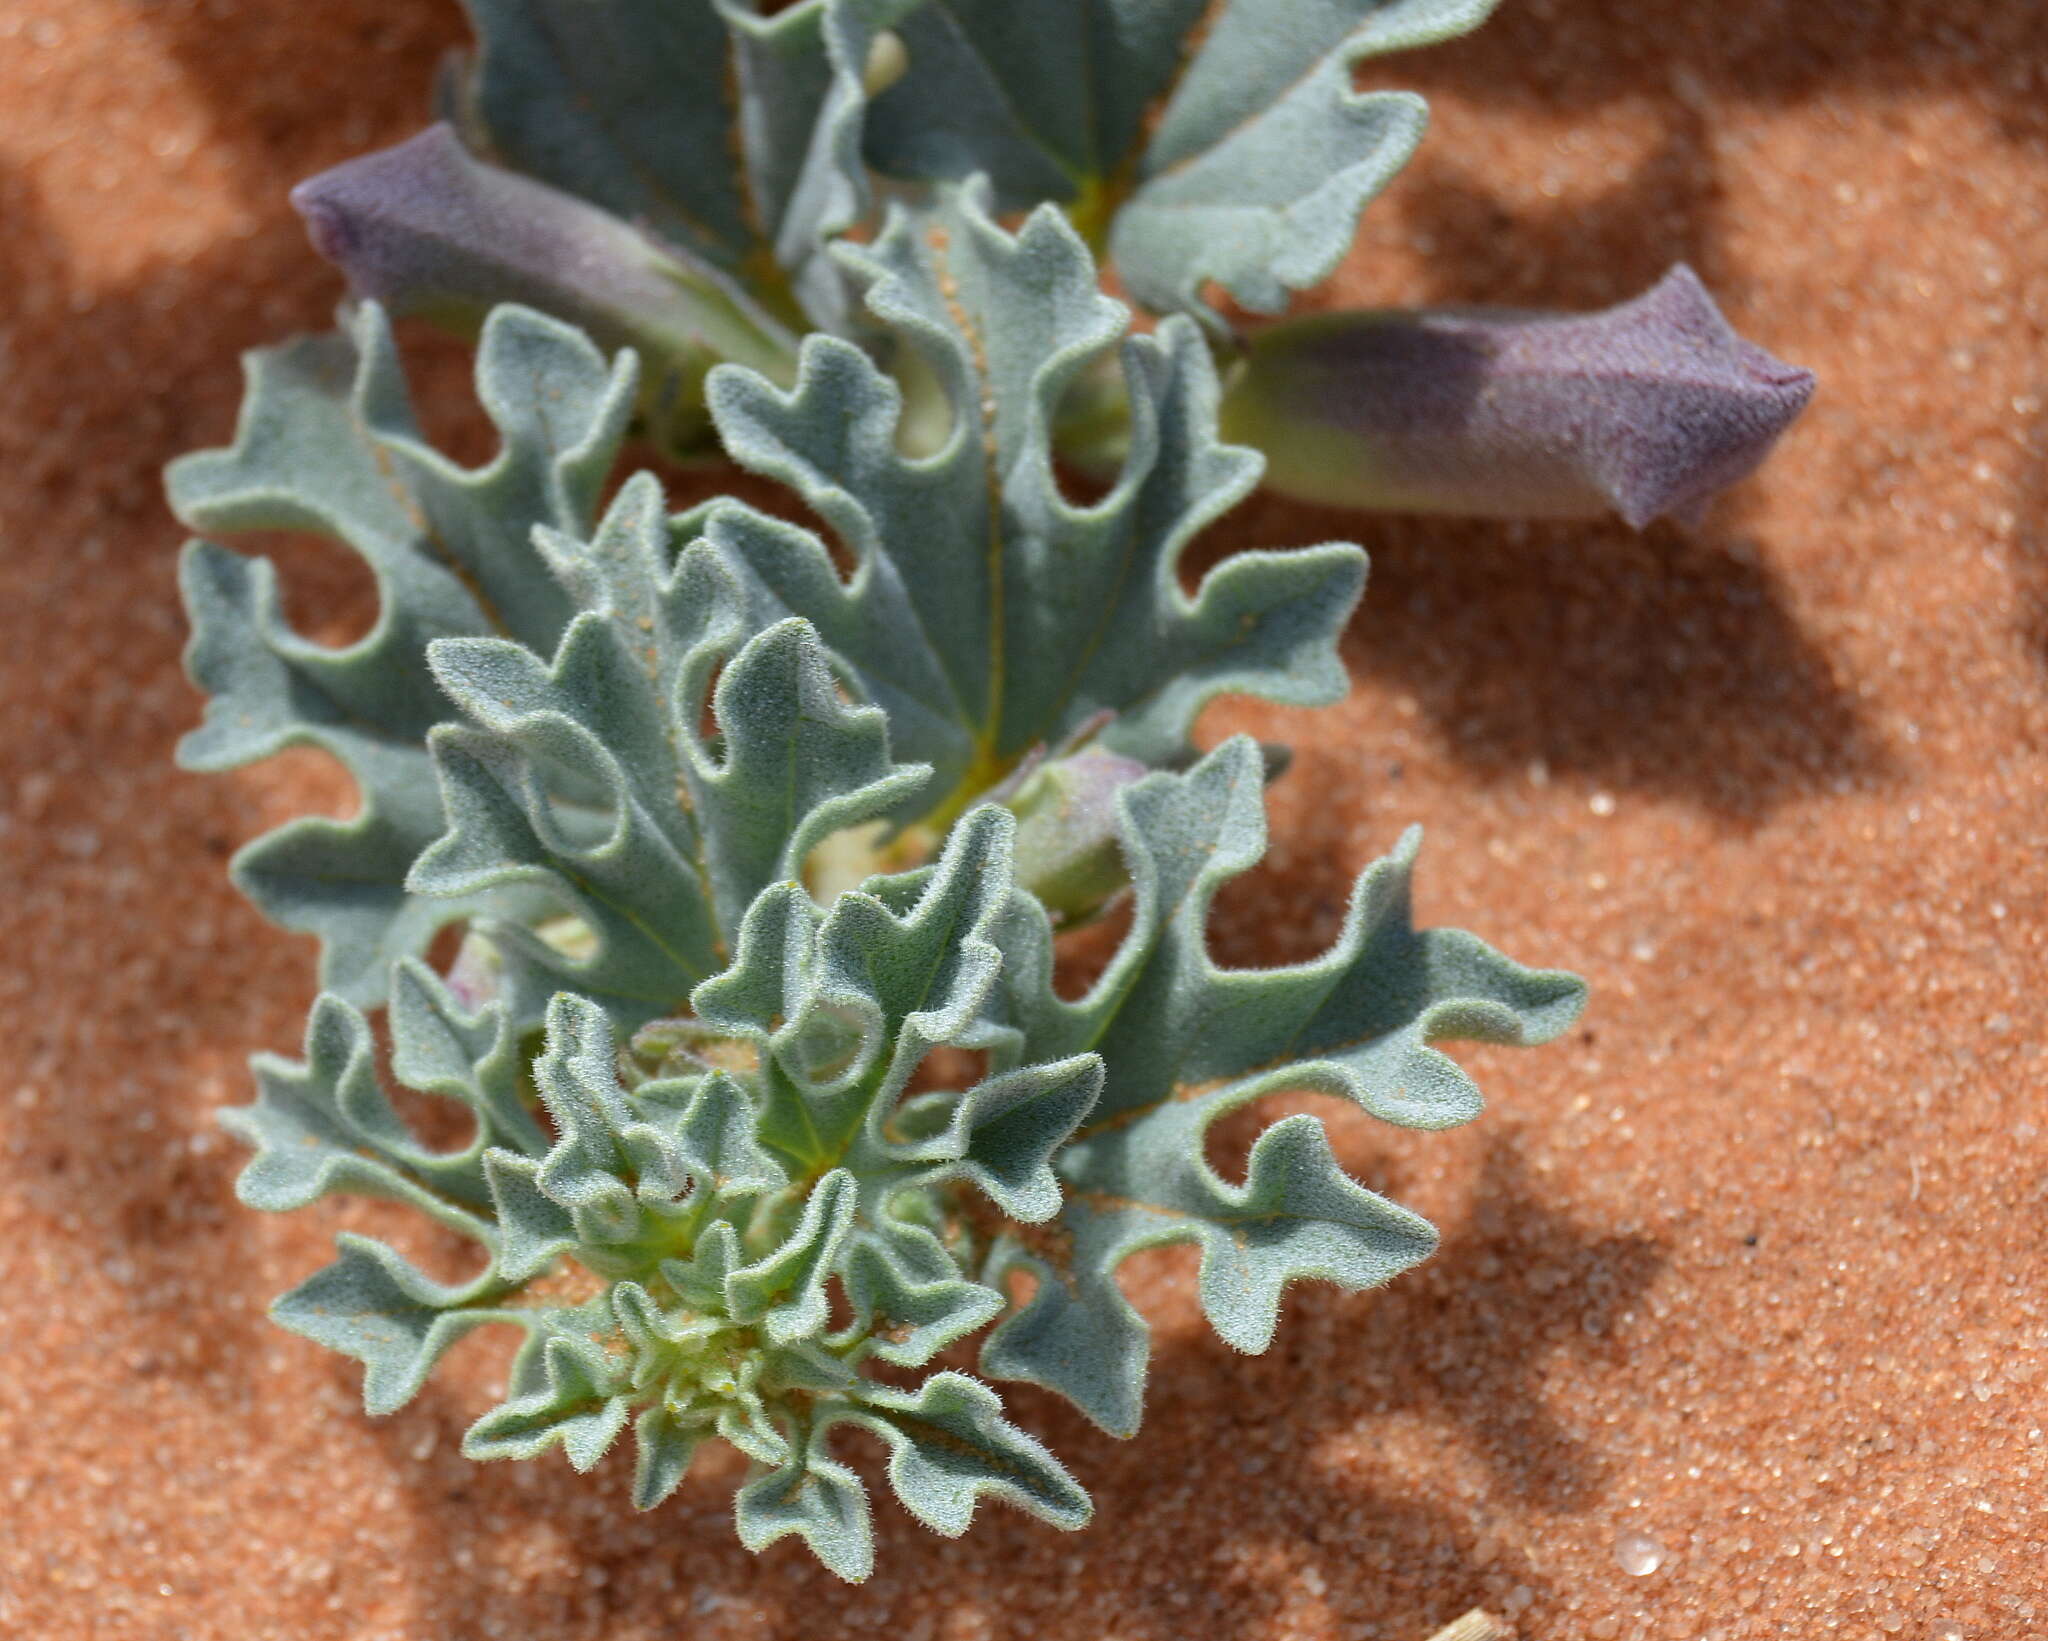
(1476, 1625)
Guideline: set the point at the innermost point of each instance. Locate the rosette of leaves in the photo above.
(668, 1243)
(704, 1103)
(668, 1229)
(988, 616)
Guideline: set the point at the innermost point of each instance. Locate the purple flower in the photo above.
(428, 230)
(1647, 408)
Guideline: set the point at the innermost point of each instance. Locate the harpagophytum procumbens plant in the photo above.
(741, 836)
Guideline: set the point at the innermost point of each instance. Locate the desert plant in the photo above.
(992, 619)
(1191, 151)
(763, 841)
(720, 1176)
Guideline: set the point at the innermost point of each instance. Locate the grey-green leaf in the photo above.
(1265, 154)
(1357, 1021)
(1297, 1214)
(612, 1168)
(327, 445)
(818, 1499)
(372, 1305)
(1272, 209)
(324, 1125)
(845, 1006)
(534, 1230)
(1260, 49)
(1048, 100)
(439, 1047)
(587, 778)
(785, 1290)
(1258, 166)
(663, 1445)
(578, 1403)
(718, 1140)
(1184, 1041)
(950, 1445)
(988, 614)
(909, 1320)
(1004, 1134)
(731, 135)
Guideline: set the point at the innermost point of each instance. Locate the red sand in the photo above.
(1752, 1264)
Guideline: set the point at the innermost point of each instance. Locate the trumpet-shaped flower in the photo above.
(428, 230)
(1647, 408)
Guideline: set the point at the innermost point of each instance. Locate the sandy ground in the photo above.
(1752, 1265)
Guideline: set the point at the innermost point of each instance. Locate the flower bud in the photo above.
(1647, 408)
(428, 230)
(1066, 851)
(475, 979)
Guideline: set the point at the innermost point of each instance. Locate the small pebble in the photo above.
(1638, 1554)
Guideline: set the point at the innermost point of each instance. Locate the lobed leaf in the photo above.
(663, 1446)
(1183, 1042)
(987, 614)
(817, 1499)
(470, 1055)
(372, 1305)
(1260, 161)
(534, 1230)
(908, 1317)
(327, 444)
(607, 1164)
(1048, 101)
(847, 1003)
(565, 1392)
(1002, 1137)
(588, 780)
(324, 1124)
(785, 1291)
(622, 101)
(950, 1445)
(1265, 155)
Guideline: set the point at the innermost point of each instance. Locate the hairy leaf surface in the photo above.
(950, 1445)
(687, 1269)
(1259, 165)
(845, 1005)
(988, 614)
(1047, 100)
(1183, 1041)
(1266, 155)
(324, 1124)
(327, 444)
(375, 1306)
(589, 778)
(733, 137)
